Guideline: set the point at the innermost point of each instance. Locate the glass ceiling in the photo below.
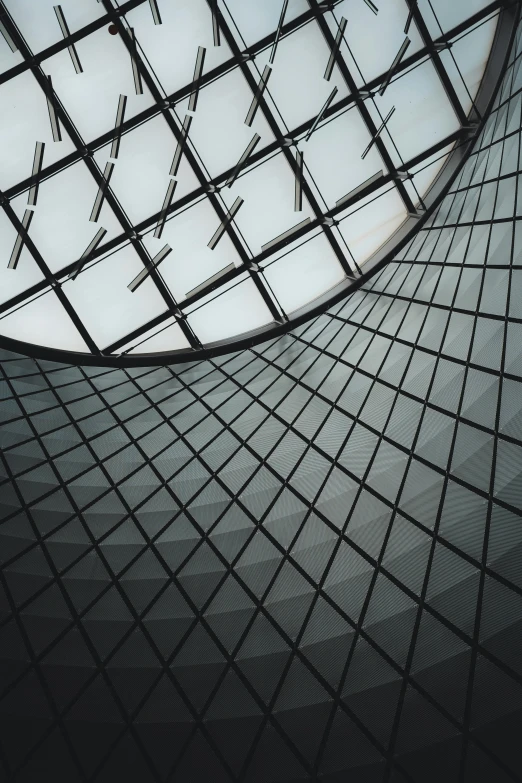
(179, 172)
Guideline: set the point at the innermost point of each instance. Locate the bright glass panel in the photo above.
(43, 321)
(23, 102)
(171, 48)
(443, 15)
(466, 60)
(268, 209)
(371, 42)
(167, 337)
(238, 310)
(251, 20)
(37, 20)
(91, 97)
(413, 128)
(104, 303)
(366, 229)
(192, 261)
(313, 264)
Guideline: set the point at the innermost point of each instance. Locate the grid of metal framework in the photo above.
(295, 563)
(325, 160)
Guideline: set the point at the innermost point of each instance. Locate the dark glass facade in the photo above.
(298, 562)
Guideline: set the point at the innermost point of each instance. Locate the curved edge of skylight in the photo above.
(484, 102)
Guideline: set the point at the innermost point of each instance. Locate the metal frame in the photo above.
(323, 220)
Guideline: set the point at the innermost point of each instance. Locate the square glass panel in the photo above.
(296, 86)
(268, 209)
(425, 173)
(38, 22)
(103, 301)
(171, 48)
(333, 156)
(312, 263)
(367, 228)
(218, 131)
(235, 311)
(43, 321)
(251, 20)
(372, 41)
(411, 127)
(141, 173)
(60, 227)
(24, 103)
(192, 262)
(91, 97)
(466, 60)
(442, 15)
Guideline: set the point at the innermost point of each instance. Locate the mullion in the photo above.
(396, 580)
(207, 602)
(184, 201)
(179, 568)
(110, 134)
(445, 307)
(153, 405)
(500, 178)
(184, 92)
(231, 229)
(454, 41)
(399, 446)
(187, 597)
(400, 70)
(259, 602)
(379, 560)
(423, 349)
(413, 520)
(431, 405)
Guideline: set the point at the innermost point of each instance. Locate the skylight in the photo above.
(179, 172)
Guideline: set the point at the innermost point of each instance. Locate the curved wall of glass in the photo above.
(299, 562)
(298, 161)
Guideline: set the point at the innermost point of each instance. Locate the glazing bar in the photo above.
(86, 255)
(234, 209)
(65, 32)
(20, 239)
(107, 174)
(258, 95)
(156, 261)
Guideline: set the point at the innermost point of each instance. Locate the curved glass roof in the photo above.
(179, 172)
